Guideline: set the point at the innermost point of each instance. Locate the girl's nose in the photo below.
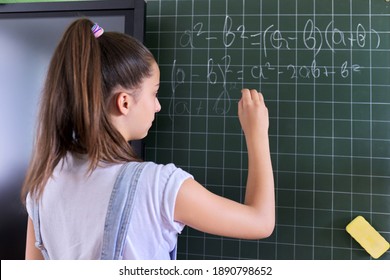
(158, 106)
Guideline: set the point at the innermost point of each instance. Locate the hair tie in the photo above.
(97, 30)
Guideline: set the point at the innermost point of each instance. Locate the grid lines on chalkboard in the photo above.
(329, 114)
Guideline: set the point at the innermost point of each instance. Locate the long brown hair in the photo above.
(83, 73)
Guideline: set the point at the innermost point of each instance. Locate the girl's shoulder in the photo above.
(161, 169)
(163, 174)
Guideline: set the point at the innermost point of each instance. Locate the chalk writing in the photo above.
(220, 71)
(311, 36)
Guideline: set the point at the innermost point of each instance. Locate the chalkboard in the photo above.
(323, 67)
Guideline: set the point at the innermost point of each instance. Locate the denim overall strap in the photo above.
(173, 253)
(37, 229)
(119, 211)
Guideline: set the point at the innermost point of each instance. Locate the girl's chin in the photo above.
(140, 136)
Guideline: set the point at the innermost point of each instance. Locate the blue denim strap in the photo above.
(173, 253)
(120, 209)
(37, 229)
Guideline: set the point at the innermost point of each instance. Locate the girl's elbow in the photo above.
(265, 229)
(269, 229)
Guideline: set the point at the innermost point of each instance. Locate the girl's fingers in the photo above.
(251, 95)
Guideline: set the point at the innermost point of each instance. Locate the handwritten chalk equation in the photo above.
(311, 37)
(220, 71)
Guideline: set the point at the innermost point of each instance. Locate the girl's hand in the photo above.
(253, 114)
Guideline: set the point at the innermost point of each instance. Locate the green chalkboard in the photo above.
(324, 69)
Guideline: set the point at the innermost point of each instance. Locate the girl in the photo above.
(101, 93)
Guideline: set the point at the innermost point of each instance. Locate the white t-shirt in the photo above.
(73, 210)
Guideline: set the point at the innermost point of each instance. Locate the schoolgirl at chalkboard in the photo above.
(88, 195)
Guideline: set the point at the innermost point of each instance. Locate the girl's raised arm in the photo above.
(199, 208)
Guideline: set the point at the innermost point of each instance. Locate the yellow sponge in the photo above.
(367, 237)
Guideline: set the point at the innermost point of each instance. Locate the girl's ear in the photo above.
(123, 102)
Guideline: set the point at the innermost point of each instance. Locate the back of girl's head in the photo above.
(82, 76)
(125, 61)
(83, 73)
